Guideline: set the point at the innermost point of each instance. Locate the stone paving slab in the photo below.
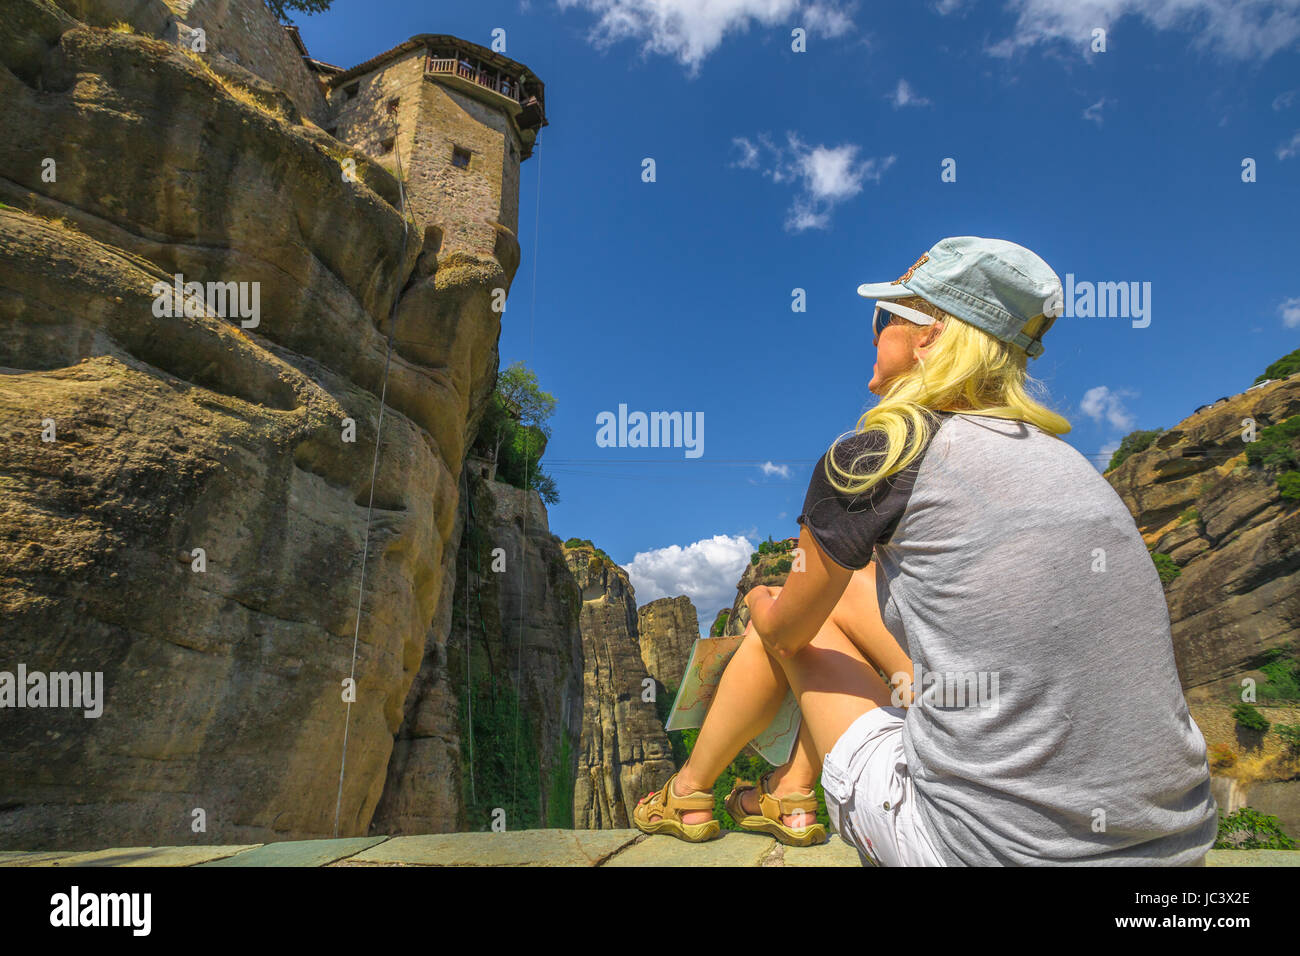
(1253, 858)
(833, 853)
(147, 856)
(519, 848)
(730, 849)
(31, 857)
(300, 852)
(522, 848)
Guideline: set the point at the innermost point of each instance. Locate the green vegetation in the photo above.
(514, 433)
(1288, 483)
(559, 805)
(1290, 734)
(1247, 716)
(753, 558)
(1166, 567)
(506, 765)
(782, 566)
(1282, 667)
(281, 7)
(1283, 367)
(1131, 444)
(1191, 514)
(720, 623)
(586, 543)
(1249, 829)
(1275, 445)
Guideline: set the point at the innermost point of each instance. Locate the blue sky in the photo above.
(778, 170)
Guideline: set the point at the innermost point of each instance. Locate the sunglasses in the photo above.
(885, 312)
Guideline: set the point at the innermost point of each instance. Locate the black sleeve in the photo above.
(847, 527)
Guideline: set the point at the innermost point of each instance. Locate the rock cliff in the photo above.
(1224, 523)
(511, 633)
(624, 753)
(667, 628)
(130, 439)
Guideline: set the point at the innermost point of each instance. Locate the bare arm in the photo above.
(788, 622)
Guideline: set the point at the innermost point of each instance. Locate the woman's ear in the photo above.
(930, 334)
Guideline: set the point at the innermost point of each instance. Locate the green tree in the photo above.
(514, 431)
(1283, 367)
(1131, 444)
(1250, 718)
(281, 7)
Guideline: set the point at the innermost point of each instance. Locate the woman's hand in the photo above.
(759, 600)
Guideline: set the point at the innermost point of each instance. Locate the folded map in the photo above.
(709, 657)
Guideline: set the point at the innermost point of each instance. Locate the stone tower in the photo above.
(462, 118)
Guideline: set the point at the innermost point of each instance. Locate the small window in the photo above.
(351, 90)
(459, 157)
(386, 146)
(392, 106)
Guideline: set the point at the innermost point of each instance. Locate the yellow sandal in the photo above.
(668, 807)
(771, 808)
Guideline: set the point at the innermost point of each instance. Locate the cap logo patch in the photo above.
(908, 274)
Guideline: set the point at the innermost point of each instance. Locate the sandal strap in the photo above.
(696, 800)
(774, 807)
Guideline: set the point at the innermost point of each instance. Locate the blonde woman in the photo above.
(954, 543)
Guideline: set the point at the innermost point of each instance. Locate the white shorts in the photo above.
(869, 793)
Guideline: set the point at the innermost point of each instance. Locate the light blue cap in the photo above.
(990, 283)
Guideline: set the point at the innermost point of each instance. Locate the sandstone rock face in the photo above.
(223, 686)
(624, 753)
(1239, 591)
(667, 628)
(515, 619)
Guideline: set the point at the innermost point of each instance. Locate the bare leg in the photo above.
(754, 685)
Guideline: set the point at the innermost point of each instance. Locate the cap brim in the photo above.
(884, 290)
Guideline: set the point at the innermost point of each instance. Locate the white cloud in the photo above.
(904, 95)
(824, 176)
(707, 572)
(1101, 402)
(690, 30)
(1290, 312)
(1290, 148)
(749, 153)
(770, 469)
(945, 7)
(1283, 100)
(1093, 112)
(1235, 29)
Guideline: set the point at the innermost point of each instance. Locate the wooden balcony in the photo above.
(500, 84)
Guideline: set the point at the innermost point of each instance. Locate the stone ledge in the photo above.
(522, 848)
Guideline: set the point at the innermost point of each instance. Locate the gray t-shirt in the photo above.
(1049, 725)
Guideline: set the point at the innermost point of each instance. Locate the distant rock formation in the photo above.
(1226, 526)
(667, 628)
(765, 572)
(624, 752)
